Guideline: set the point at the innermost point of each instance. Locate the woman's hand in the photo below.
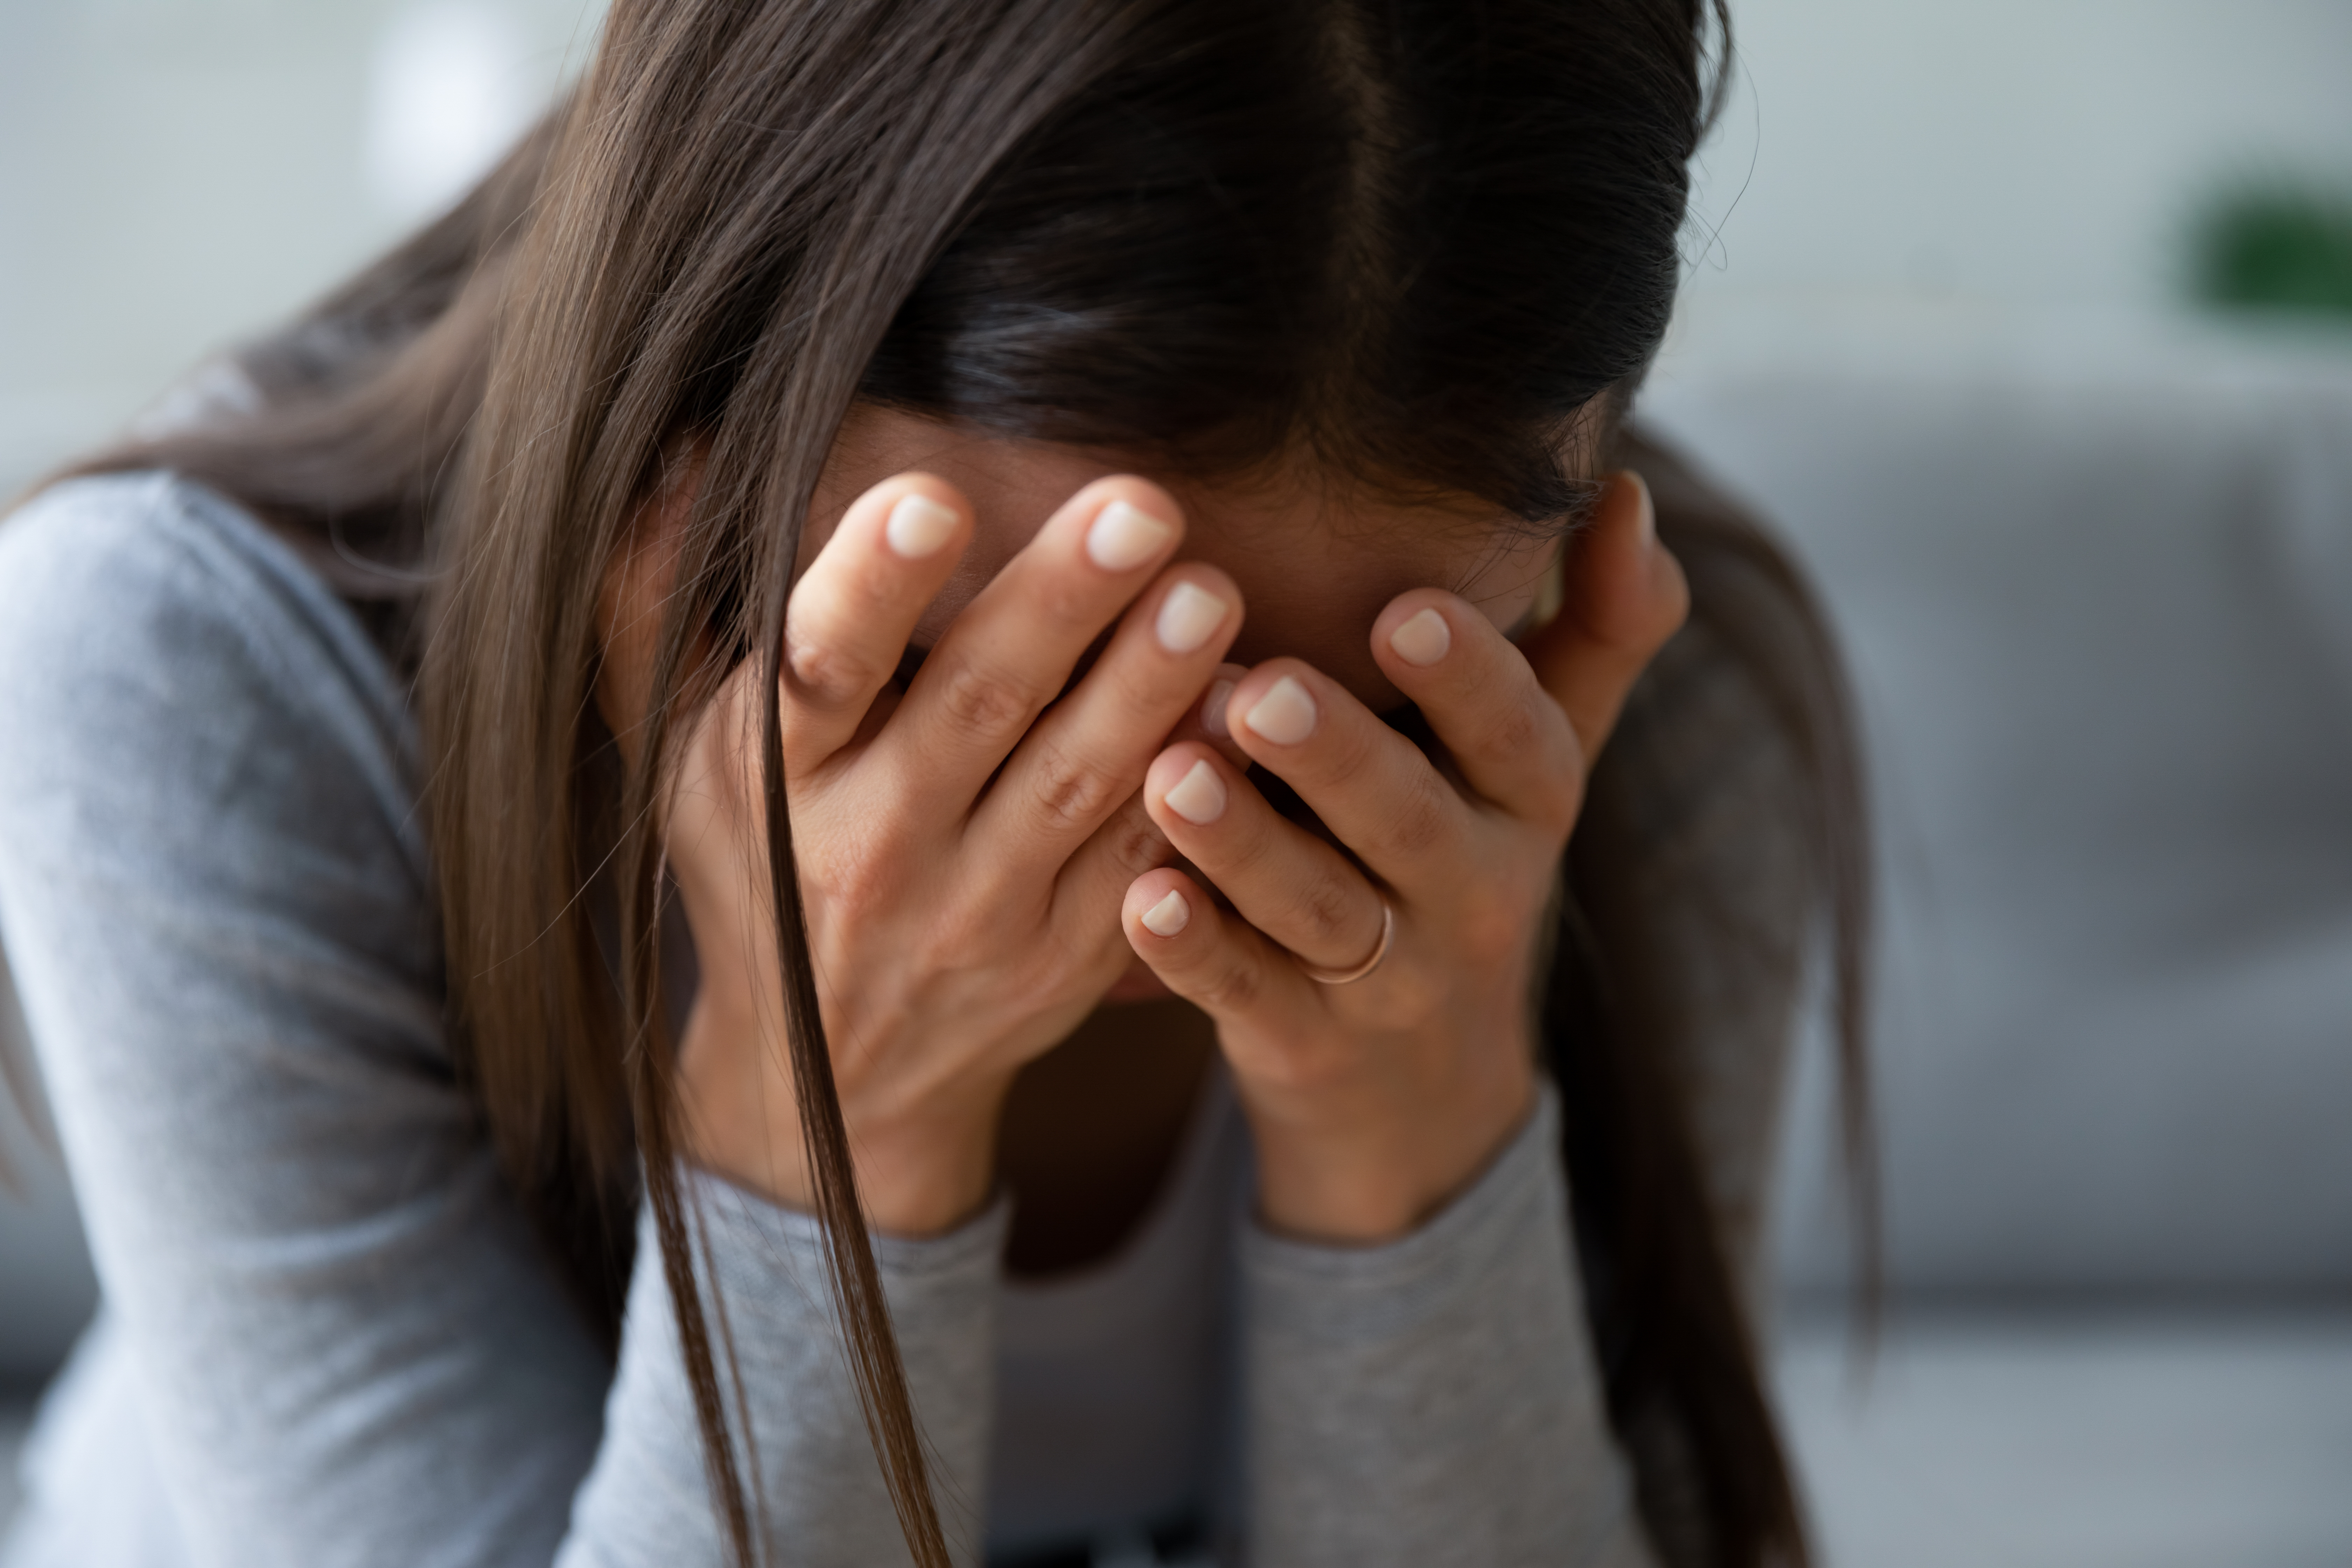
(1375, 1101)
(962, 871)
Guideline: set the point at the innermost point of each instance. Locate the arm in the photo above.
(346, 1341)
(808, 1462)
(1434, 1393)
(1435, 1400)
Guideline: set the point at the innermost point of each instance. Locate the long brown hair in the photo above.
(1411, 239)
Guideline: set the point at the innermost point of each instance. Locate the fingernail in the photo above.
(1168, 916)
(1187, 617)
(919, 526)
(1199, 796)
(1423, 640)
(1284, 715)
(1649, 512)
(1212, 709)
(1123, 537)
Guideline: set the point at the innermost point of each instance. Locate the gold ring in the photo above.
(1343, 976)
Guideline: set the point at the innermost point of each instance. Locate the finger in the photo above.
(856, 606)
(1298, 890)
(1510, 741)
(1370, 785)
(1012, 648)
(1208, 723)
(1088, 752)
(1624, 595)
(1089, 888)
(1214, 960)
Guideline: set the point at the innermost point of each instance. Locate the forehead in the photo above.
(1314, 562)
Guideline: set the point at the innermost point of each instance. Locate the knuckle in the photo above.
(1232, 985)
(825, 676)
(1353, 754)
(1135, 843)
(859, 882)
(1324, 912)
(965, 938)
(1072, 788)
(1066, 603)
(980, 700)
(878, 581)
(1515, 733)
(1419, 822)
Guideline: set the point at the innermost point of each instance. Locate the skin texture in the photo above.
(980, 850)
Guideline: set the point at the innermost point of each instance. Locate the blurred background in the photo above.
(2029, 323)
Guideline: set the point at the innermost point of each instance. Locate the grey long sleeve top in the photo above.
(330, 1337)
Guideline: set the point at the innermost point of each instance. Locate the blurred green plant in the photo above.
(2276, 250)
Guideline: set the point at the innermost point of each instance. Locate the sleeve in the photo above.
(346, 1344)
(805, 1454)
(1435, 1400)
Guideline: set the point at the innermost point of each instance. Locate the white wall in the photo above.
(175, 173)
(2024, 151)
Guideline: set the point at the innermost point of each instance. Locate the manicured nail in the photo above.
(1123, 537)
(1212, 709)
(919, 526)
(1168, 916)
(1284, 715)
(1423, 640)
(1649, 513)
(1187, 617)
(1199, 796)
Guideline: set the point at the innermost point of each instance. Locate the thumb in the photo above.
(1623, 594)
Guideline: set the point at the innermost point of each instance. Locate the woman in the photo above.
(892, 993)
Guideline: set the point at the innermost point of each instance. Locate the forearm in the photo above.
(818, 1489)
(1435, 1400)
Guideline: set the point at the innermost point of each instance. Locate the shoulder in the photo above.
(98, 574)
(172, 677)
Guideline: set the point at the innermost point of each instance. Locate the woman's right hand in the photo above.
(962, 871)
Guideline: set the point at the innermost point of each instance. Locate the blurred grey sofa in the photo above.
(2093, 572)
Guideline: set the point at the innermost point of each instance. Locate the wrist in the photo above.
(926, 1174)
(922, 1170)
(911, 1183)
(1364, 1171)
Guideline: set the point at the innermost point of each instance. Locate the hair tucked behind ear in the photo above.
(1410, 240)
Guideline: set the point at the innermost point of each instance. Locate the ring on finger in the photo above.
(1322, 976)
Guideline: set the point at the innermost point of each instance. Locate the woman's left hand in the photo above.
(1375, 1101)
